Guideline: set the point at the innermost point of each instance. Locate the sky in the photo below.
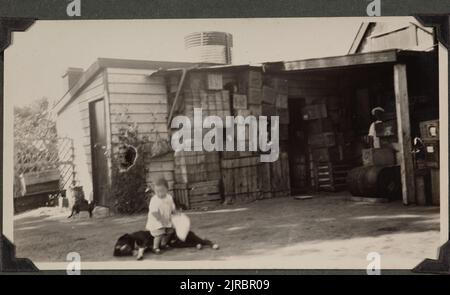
(37, 58)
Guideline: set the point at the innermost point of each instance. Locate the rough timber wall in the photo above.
(197, 173)
(205, 178)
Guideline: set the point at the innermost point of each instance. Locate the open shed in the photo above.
(323, 106)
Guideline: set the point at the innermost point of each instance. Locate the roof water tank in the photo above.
(209, 47)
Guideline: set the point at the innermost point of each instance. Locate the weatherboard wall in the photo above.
(136, 97)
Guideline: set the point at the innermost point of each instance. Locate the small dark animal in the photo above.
(82, 205)
(143, 240)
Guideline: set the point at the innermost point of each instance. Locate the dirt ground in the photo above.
(327, 231)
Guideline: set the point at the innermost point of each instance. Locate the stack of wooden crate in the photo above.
(240, 179)
(198, 173)
(197, 195)
(240, 168)
(327, 145)
(212, 102)
(212, 99)
(331, 176)
(250, 83)
(281, 108)
(192, 166)
(279, 176)
(199, 176)
(247, 178)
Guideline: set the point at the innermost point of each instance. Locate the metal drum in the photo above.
(375, 182)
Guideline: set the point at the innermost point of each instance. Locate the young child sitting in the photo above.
(160, 211)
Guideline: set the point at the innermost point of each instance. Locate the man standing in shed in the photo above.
(374, 140)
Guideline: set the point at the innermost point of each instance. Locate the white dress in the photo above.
(165, 207)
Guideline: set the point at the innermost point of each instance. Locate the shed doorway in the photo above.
(97, 120)
(299, 163)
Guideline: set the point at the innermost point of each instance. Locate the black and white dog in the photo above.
(141, 241)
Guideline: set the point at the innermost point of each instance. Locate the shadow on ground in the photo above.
(323, 226)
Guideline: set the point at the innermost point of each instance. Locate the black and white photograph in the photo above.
(234, 143)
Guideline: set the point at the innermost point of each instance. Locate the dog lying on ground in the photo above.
(141, 241)
(82, 205)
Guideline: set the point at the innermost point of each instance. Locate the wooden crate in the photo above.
(328, 154)
(181, 195)
(250, 79)
(214, 81)
(380, 156)
(254, 95)
(198, 194)
(268, 110)
(199, 166)
(431, 153)
(279, 176)
(330, 177)
(226, 100)
(279, 84)
(429, 129)
(282, 101)
(283, 115)
(197, 80)
(240, 101)
(203, 194)
(240, 179)
(324, 139)
(319, 126)
(313, 112)
(386, 128)
(255, 110)
(269, 95)
(254, 79)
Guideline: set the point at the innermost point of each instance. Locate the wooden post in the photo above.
(404, 134)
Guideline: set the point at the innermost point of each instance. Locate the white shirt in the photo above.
(165, 207)
(373, 133)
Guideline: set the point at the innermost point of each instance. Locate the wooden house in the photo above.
(323, 106)
(110, 95)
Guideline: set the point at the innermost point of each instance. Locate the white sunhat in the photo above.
(376, 109)
(182, 225)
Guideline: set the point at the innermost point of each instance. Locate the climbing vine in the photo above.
(128, 184)
(129, 188)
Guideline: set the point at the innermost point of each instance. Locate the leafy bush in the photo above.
(128, 184)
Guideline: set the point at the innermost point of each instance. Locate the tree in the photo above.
(35, 138)
(34, 121)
